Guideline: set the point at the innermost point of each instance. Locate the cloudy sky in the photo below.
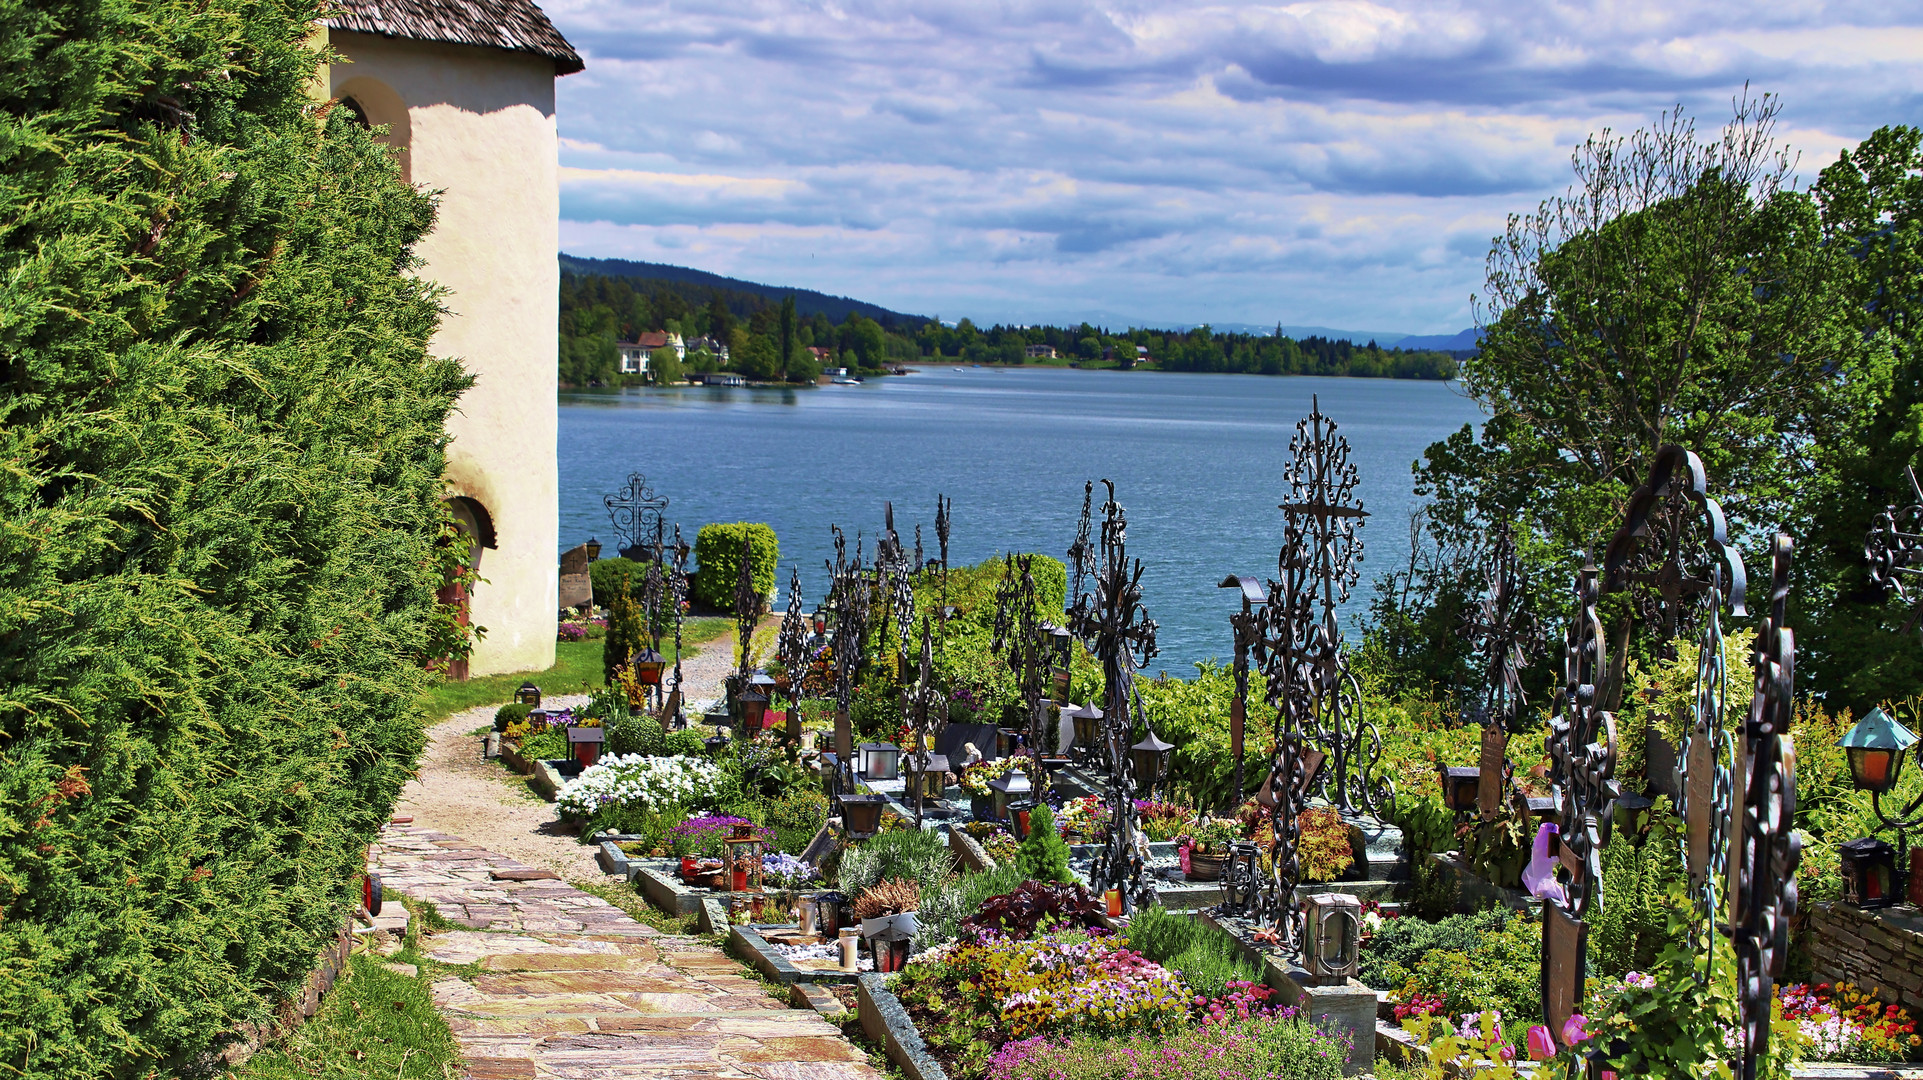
(1338, 162)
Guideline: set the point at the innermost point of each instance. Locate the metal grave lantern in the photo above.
(1241, 878)
(585, 743)
(861, 814)
(1334, 924)
(933, 772)
(1869, 873)
(745, 850)
(880, 761)
(647, 667)
(594, 548)
(1009, 790)
(1088, 729)
(1057, 644)
(820, 622)
(717, 743)
(1461, 788)
(754, 707)
(1875, 747)
(529, 695)
(1151, 759)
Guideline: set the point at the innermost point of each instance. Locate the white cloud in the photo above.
(1338, 162)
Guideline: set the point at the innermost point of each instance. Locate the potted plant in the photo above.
(1206, 848)
(974, 780)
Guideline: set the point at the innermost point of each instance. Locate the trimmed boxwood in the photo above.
(222, 435)
(717, 548)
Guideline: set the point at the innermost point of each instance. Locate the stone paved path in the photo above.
(564, 985)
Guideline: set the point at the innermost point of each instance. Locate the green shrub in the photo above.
(1207, 958)
(1501, 970)
(920, 855)
(945, 905)
(717, 548)
(796, 817)
(1627, 933)
(224, 442)
(545, 745)
(627, 633)
(1402, 942)
(609, 576)
(508, 714)
(1043, 855)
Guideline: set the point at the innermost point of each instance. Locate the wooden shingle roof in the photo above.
(514, 25)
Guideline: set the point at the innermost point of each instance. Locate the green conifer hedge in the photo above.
(717, 550)
(220, 455)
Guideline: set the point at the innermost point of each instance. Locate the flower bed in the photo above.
(616, 790)
(1842, 1023)
(1279, 1045)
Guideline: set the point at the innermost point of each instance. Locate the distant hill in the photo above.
(1462, 341)
(807, 301)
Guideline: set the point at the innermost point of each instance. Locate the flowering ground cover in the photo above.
(617, 788)
(1842, 1023)
(1278, 1045)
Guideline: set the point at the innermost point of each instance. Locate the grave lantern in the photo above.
(1461, 787)
(745, 850)
(1635, 807)
(717, 742)
(861, 814)
(1542, 807)
(1241, 877)
(934, 770)
(1869, 873)
(1151, 759)
(1875, 747)
(821, 623)
(529, 695)
(1334, 929)
(1008, 790)
(647, 667)
(1057, 644)
(880, 761)
(1088, 727)
(594, 548)
(754, 707)
(585, 743)
(830, 774)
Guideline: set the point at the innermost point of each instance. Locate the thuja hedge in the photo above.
(220, 451)
(717, 550)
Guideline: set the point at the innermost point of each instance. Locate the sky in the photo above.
(1341, 163)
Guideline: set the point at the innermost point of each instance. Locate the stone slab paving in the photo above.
(561, 985)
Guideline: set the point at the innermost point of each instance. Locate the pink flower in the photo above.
(1541, 1046)
(1574, 1029)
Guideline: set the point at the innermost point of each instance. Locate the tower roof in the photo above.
(514, 25)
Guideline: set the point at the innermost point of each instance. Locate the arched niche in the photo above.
(377, 103)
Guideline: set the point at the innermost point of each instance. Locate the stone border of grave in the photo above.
(746, 943)
(1476, 892)
(885, 1021)
(1350, 1006)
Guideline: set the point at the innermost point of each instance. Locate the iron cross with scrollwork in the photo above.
(637, 515)
(927, 716)
(944, 524)
(1018, 641)
(848, 599)
(791, 645)
(1325, 516)
(1111, 622)
(1894, 549)
(678, 596)
(747, 609)
(1582, 749)
(1763, 892)
(1502, 631)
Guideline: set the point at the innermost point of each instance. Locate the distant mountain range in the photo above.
(837, 308)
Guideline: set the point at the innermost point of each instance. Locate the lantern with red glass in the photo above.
(647, 667)
(1869, 873)
(584, 744)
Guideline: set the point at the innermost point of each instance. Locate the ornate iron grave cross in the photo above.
(1289, 651)
(637, 515)
(944, 524)
(791, 645)
(1122, 636)
(848, 600)
(896, 578)
(1502, 629)
(1326, 515)
(677, 597)
(925, 709)
(1018, 641)
(1763, 880)
(1894, 549)
(1673, 550)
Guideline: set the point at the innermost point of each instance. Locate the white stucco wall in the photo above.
(478, 125)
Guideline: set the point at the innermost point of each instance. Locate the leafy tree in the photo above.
(665, 367)
(787, 345)
(224, 436)
(755, 357)
(627, 627)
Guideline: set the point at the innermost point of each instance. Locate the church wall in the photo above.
(478, 124)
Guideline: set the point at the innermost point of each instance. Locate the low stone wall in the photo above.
(1880, 950)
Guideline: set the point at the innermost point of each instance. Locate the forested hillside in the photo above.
(770, 340)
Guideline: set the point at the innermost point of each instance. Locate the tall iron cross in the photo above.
(1895, 550)
(1501, 629)
(792, 644)
(636, 512)
(1113, 617)
(747, 605)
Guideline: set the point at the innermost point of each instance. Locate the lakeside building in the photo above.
(636, 354)
(1040, 352)
(466, 93)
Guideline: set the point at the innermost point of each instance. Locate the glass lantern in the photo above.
(1875, 747)
(647, 667)
(529, 695)
(744, 859)
(861, 814)
(1010, 789)
(1334, 926)
(1461, 787)
(754, 707)
(1151, 759)
(1869, 873)
(585, 743)
(880, 761)
(594, 548)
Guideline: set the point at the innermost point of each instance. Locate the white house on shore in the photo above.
(466, 92)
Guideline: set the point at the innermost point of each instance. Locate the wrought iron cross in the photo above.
(792, 646)
(1503, 630)
(637, 514)
(1018, 642)
(927, 716)
(1895, 550)
(1112, 623)
(747, 609)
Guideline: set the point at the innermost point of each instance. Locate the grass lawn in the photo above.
(577, 669)
(375, 1022)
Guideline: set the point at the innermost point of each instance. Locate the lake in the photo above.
(1196, 459)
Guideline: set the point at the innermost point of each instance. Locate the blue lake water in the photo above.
(1196, 459)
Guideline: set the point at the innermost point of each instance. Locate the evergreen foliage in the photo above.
(223, 436)
(627, 630)
(717, 548)
(1043, 855)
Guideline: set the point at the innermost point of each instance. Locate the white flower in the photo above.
(634, 780)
